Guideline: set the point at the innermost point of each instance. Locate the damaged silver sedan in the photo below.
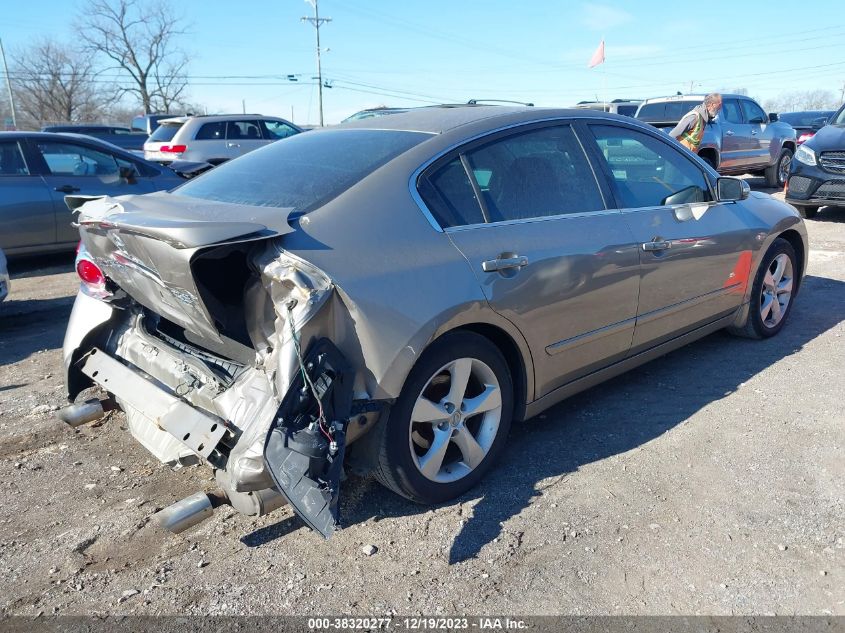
(395, 292)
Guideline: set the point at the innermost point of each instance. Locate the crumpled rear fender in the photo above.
(88, 316)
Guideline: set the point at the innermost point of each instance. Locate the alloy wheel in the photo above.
(455, 420)
(776, 291)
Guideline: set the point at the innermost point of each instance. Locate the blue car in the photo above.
(37, 170)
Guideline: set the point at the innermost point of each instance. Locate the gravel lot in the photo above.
(709, 481)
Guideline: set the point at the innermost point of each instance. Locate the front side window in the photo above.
(753, 112)
(648, 172)
(11, 160)
(275, 130)
(66, 159)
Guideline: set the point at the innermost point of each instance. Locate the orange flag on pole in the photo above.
(598, 56)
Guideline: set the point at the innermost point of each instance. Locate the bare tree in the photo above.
(54, 83)
(798, 100)
(140, 40)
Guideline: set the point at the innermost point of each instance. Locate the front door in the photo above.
(736, 136)
(27, 217)
(527, 213)
(78, 168)
(695, 253)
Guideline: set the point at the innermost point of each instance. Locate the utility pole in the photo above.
(9, 86)
(317, 21)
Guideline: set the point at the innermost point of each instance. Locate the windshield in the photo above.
(839, 117)
(165, 132)
(304, 171)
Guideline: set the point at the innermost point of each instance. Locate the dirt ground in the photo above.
(710, 481)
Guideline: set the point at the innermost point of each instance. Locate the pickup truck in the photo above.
(742, 139)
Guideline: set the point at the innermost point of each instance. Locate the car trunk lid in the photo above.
(146, 245)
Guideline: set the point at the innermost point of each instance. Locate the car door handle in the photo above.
(67, 189)
(492, 265)
(729, 132)
(233, 144)
(657, 245)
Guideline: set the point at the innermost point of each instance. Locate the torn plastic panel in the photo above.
(307, 439)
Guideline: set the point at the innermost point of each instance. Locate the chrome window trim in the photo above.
(412, 181)
(539, 218)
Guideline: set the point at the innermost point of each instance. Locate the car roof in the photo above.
(440, 119)
(698, 97)
(217, 117)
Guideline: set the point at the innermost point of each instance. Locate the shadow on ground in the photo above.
(609, 419)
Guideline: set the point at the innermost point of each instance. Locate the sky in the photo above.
(413, 53)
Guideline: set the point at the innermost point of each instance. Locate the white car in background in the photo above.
(4, 277)
(214, 138)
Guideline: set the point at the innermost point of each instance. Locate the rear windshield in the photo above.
(165, 132)
(667, 111)
(303, 171)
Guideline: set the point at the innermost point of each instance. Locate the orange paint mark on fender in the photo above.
(741, 274)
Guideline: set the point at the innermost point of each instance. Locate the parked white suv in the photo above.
(214, 139)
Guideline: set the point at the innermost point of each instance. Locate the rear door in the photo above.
(737, 141)
(527, 212)
(77, 168)
(27, 216)
(695, 252)
(243, 137)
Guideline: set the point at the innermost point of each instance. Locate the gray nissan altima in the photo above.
(394, 292)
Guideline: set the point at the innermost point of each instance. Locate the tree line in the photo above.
(125, 59)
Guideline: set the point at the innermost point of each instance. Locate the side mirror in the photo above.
(773, 117)
(732, 189)
(819, 123)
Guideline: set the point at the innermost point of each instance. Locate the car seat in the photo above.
(252, 132)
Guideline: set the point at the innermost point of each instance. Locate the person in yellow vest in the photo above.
(690, 129)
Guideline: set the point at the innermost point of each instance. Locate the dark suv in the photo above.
(817, 174)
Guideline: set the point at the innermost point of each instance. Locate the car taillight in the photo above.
(805, 137)
(173, 149)
(90, 273)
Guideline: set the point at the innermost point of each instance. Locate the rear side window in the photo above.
(11, 160)
(449, 195)
(730, 111)
(305, 171)
(244, 130)
(211, 131)
(535, 174)
(165, 132)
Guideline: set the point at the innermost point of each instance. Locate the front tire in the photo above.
(777, 174)
(450, 422)
(774, 287)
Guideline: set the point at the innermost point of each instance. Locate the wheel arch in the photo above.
(517, 363)
(794, 238)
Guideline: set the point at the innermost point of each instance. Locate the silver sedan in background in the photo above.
(396, 291)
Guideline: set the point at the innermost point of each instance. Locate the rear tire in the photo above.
(772, 293)
(426, 450)
(807, 212)
(777, 174)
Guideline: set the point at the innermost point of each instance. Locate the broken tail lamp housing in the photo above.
(91, 276)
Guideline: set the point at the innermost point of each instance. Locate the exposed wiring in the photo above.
(322, 417)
